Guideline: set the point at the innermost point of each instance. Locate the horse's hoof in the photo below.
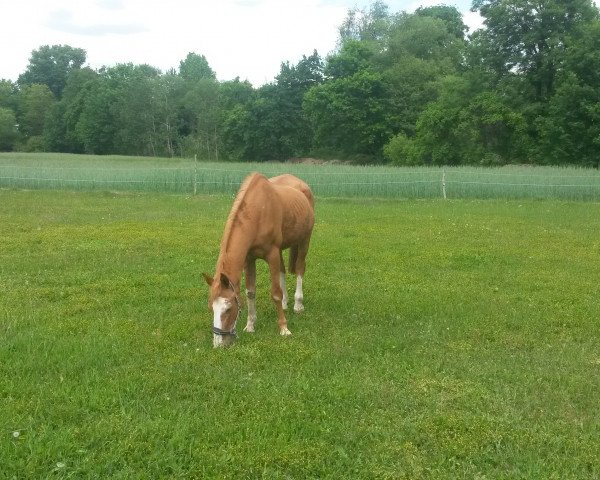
(298, 308)
(248, 329)
(284, 332)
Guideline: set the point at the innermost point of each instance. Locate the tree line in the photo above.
(400, 88)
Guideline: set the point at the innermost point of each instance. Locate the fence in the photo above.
(190, 177)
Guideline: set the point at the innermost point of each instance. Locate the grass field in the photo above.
(441, 339)
(86, 172)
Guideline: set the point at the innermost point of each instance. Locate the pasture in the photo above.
(180, 175)
(441, 339)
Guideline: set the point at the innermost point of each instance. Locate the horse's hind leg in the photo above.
(274, 261)
(299, 258)
(250, 269)
(284, 297)
(299, 295)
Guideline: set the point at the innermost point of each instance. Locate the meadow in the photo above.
(441, 339)
(180, 175)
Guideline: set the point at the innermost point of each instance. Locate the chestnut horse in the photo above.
(267, 217)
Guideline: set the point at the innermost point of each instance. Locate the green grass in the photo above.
(86, 172)
(453, 339)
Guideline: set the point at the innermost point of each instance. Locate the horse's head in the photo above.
(225, 304)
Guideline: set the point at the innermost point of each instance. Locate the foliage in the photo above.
(366, 25)
(8, 129)
(195, 67)
(458, 129)
(352, 57)
(523, 89)
(528, 37)
(51, 65)
(401, 150)
(8, 95)
(449, 15)
(349, 114)
(34, 106)
(60, 131)
(273, 125)
(570, 130)
(421, 50)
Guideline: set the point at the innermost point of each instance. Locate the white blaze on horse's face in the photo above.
(223, 320)
(220, 306)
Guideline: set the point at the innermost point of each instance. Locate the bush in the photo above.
(401, 150)
(35, 143)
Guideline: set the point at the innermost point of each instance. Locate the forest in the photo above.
(400, 88)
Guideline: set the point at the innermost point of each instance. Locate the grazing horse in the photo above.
(267, 217)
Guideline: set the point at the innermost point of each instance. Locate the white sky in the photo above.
(245, 38)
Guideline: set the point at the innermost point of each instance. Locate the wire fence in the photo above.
(191, 177)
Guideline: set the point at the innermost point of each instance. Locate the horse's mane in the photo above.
(237, 203)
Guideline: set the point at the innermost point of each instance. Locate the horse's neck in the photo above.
(232, 256)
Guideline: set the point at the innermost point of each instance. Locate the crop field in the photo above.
(441, 339)
(85, 172)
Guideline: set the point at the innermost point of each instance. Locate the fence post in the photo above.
(195, 172)
(444, 183)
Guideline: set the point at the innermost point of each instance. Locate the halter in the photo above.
(232, 332)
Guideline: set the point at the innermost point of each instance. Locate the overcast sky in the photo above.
(245, 38)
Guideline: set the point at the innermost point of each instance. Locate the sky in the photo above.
(239, 38)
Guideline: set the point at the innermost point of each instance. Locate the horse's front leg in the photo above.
(250, 270)
(274, 259)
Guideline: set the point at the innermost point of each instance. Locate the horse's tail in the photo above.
(293, 260)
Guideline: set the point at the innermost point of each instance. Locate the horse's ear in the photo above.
(208, 279)
(225, 283)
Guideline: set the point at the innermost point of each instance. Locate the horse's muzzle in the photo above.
(223, 338)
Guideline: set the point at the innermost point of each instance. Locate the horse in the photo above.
(267, 217)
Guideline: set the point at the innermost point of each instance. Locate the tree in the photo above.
(200, 117)
(8, 95)
(100, 115)
(51, 65)
(366, 25)
(421, 50)
(352, 57)
(96, 126)
(292, 126)
(238, 138)
(235, 92)
(539, 57)
(274, 125)
(570, 131)
(167, 92)
(133, 107)
(195, 67)
(463, 127)
(425, 37)
(35, 104)
(449, 15)
(350, 116)
(60, 130)
(528, 37)
(9, 99)
(8, 129)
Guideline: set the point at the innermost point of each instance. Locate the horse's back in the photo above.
(288, 180)
(297, 203)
